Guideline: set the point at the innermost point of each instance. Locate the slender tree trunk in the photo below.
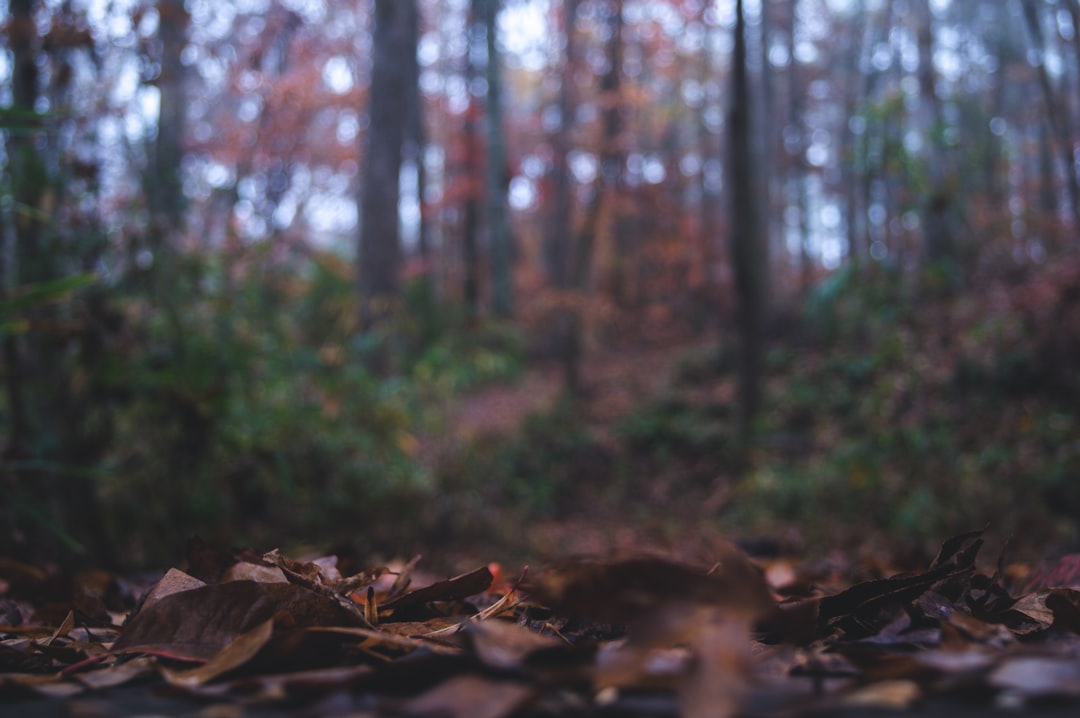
(416, 140)
(379, 252)
(470, 220)
(849, 149)
(474, 175)
(21, 230)
(937, 209)
(994, 183)
(572, 324)
(1047, 194)
(497, 181)
(558, 245)
(796, 143)
(746, 237)
(165, 195)
(607, 182)
(559, 235)
(767, 137)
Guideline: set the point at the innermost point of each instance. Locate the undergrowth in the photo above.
(889, 412)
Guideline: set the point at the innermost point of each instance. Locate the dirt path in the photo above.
(615, 382)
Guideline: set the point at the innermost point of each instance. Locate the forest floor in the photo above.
(615, 381)
(911, 430)
(615, 384)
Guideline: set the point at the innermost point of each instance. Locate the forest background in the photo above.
(254, 253)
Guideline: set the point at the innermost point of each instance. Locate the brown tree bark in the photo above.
(164, 193)
(501, 239)
(796, 144)
(558, 245)
(746, 238)
(21, 234)
(473, 175)
(558, 237)
(379, 251)
(607, 182)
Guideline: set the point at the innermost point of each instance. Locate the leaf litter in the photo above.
(643, 635)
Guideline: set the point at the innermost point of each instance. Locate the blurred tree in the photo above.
(795, 141)
(608, 180)
(416, 143)
(746, 236)
(499, 235)
(939, 229)
(379, 253)
(853, 93)
(54, 340)
(767, 137)
(605, 191)
(1057, 109)
(558, 241)
(559, 235)
(471, 169)
(22, 225)
(164, 189)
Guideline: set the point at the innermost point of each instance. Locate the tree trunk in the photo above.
(379, 252)
(766, 138)
(796, 145)
(497, 182)
(558, 246)
(607, 182)
(473, 175)
(415, 143)
(853, 99)
(21, 230)
(937, 206)
(746, 241)
(558, 237)
(164, 193)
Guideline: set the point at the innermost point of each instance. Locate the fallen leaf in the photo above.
(503, 645)
(241, 650)
(452, 589)
(118, 673)
(195, 625)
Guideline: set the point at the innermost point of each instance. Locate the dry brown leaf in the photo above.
(452, 589)
(241, 650)
(174, 581)
(504, 645)
(195, 625)
(118, 673)
(1034, 607)
(247, 571)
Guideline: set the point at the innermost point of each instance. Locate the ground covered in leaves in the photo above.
(241, 634)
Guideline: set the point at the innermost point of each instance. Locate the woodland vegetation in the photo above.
(255, 256)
